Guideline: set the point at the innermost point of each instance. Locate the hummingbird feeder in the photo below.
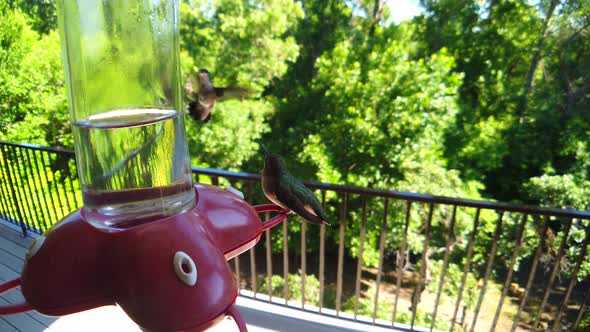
(147, 238)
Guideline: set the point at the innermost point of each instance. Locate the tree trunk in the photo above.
(521, 111)
(377, 12)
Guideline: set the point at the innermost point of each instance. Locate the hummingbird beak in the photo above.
(264, 149)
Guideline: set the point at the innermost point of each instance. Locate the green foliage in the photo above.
(246, 42)
(386, 110)
(242, 43)
(584, 324)
(452, 283)
(562, 191)
(16, 39)
(366, 305)
(384, 127)
(41, 14)
(231, 136)
(33, 105)
(423, 319)
(312, 287)
(558, 191)
(574, 252)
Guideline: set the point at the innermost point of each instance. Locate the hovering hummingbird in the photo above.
(286, 191)
(202, 100)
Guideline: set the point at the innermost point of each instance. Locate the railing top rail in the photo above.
(426, 198)
(37, 147)
(415, 197)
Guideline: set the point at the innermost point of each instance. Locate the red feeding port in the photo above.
(78, 266)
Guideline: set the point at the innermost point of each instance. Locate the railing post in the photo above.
(286, 263)
(488, 270)
(268, 260)
(381, 251)
(5, 201)
(322, 266)
(359, 266)
(416, 296)
(401, 262)
(573, 280)
(441, 280)
(341, 254)
(472, 239)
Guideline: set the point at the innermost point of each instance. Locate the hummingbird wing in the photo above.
(317, 208)
(294, 195)
(198, 112)
(312, 202)
(231, 92)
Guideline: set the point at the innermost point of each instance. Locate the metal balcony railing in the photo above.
(388, 256)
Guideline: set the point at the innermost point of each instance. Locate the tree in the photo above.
(494, 60)
(33, 105)
(41, 14)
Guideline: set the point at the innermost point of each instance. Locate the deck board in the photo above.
(6, 326)
(15, 296)
(9, 232)
(7, 273)
(23, 322)
(11, 261)
(10, 267)
(12, 249)
(13, 244)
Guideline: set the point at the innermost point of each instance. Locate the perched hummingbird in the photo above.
(201, 101)
(286, 191)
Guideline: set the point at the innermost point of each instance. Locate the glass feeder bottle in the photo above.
(123, 82)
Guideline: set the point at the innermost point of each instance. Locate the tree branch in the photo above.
(574, 36)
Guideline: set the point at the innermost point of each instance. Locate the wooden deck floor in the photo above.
(12, 254)
(261, 317)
